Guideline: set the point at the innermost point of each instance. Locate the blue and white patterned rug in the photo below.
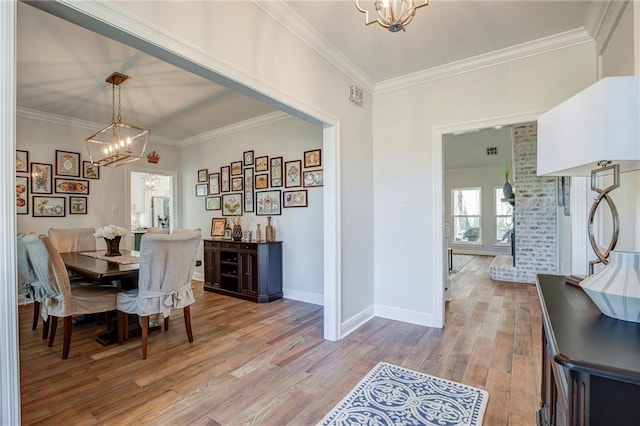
(392, 395)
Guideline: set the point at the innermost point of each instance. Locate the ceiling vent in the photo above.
(492, 150)
(355, 94)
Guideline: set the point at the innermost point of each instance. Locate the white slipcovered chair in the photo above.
(32, 288)
(157, 230)
(68, 240)
(164, 282)
(63, 301)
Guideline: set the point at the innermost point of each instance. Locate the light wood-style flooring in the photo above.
(267, 364)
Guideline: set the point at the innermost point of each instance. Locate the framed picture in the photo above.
(312, 158)
(236, 168)
(313, 178)
(262, 180)
(22, 161)
(202, 190)
(72, 186)
(77, 205)
(212, 203)
(214, 183)
(22, 194)
(248, 158)
(268, 202)
(294, 198)
(262, 164)
(292, 173)
(90, 171)
(224, 179)
(248, 190)
(67, 163)
(218, 225)
(46, 206)
(203, 174)
(276, 171)
(232, 204)
(236, 183)
(41, 182)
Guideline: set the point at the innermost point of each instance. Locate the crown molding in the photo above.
(513, 53)
(595, 17)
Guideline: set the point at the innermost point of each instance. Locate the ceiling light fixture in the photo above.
(119, 143)
(393, 14)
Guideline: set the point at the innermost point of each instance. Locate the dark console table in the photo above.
(590, 362)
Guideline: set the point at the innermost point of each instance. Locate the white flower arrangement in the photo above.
(109, 232)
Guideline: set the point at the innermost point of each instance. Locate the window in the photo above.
(504, 218)
(466, 214)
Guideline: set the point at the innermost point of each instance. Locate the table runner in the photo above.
(123, 260)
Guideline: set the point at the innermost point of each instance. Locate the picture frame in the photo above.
(47, 206)
(77, 205)
(225, 185)
(214, 183)
(227, 234)
(218, 225)
(22, 161)
(41, 181)
(292, 174)
(236, 168)
(262, 164)
(247, 157)
(90, 170)
(212, 203)
(71, 186)
(22, 194)
(276, 172)
(202, 189)
(203, 175)
(232, 204)
(248, 190)
(313, 178)
(67, 163)
(268, 203)
(294, 198)
(312, 158)
(236, 183)
(262, 180)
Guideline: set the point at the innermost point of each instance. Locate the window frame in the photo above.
(454, 217)
(498, 197)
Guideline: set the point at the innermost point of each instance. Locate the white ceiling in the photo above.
(61, 67)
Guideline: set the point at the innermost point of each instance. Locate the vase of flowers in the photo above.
(112, 235)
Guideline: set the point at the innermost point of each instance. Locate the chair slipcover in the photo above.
(68, 240)
(32, 287)
(156, 230)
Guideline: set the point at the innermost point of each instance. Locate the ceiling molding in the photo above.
(595, 17)
(513, 53)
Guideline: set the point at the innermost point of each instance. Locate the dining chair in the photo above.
(32, 287)
(68, 240)
(164, 282)
(62, 300)
(157, 230)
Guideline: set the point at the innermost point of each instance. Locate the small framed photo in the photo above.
(312, 158)
(218, 225)
(77, 205)
(232, 204)
(202, 190)
(236, 183)
(236, 168)
(268, 202)
(214, 183)
(22, 161)
(276, 172)
(203, 175)
(22, 195)
(212, 203)
(248, 158)
(46, 206)
(72, 186)
(262, 164)
(294, 198)
(41, 181)
(292, 175)
(90, 171)
(67, 163)
(262, 180)
(313, 178)
(248, 190)
(225, 185)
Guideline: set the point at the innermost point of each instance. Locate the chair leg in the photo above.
(166, 323)
(187, 323)
(52, 331)
(68, 327)
(45, 329)
(36, 314)
(122, 326)
(145, 335)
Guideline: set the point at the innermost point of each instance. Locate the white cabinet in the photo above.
(137, 196)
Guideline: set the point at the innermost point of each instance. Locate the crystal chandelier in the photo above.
(393, 14)
(119, 143)
(150, 182)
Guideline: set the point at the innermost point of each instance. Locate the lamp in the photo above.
(150, 182)
(119, 143)
(393, 14)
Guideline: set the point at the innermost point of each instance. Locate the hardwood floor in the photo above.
(267, 364)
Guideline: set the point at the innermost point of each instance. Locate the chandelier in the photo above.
(393, 14)
(119, 143)
(150, 182)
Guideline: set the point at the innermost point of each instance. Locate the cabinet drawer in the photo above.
(247, 246)
(211, 243)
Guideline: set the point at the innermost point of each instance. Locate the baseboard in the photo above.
(353, 323)
(404, 315)
(303, 296)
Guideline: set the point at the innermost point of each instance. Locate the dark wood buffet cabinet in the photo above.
(247, 270)
(590, 362)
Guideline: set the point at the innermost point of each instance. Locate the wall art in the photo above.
(41, 181)
(248, 158)
(232, 204)
(294, 198)
(268, 202)
(292, 173)
(203, 175)
(202, 190)
(22, 161)
(262, 164)
(22, 195)
(312, 158)
(212, 203)
(77, 205)
(313, 178)
(218, 225)
(90, 171)
(276, 172)
(224, 179)
(71, 186)
(248, 190)
(262, 180)
(45, 206)
(236, 183)
(67, 163)
(214, 183)
(236, 168)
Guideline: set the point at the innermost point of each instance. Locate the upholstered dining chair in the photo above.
(157, 230)
(73, 239)
(164, 282)
(32, 287)
(62, 300)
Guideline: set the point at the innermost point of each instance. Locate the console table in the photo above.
(590, 362)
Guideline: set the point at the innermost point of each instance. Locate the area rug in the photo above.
(459, 262)
(392, 395)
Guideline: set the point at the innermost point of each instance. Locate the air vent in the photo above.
(492, 150)
(355, 94)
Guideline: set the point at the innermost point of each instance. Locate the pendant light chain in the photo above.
(119, 116)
